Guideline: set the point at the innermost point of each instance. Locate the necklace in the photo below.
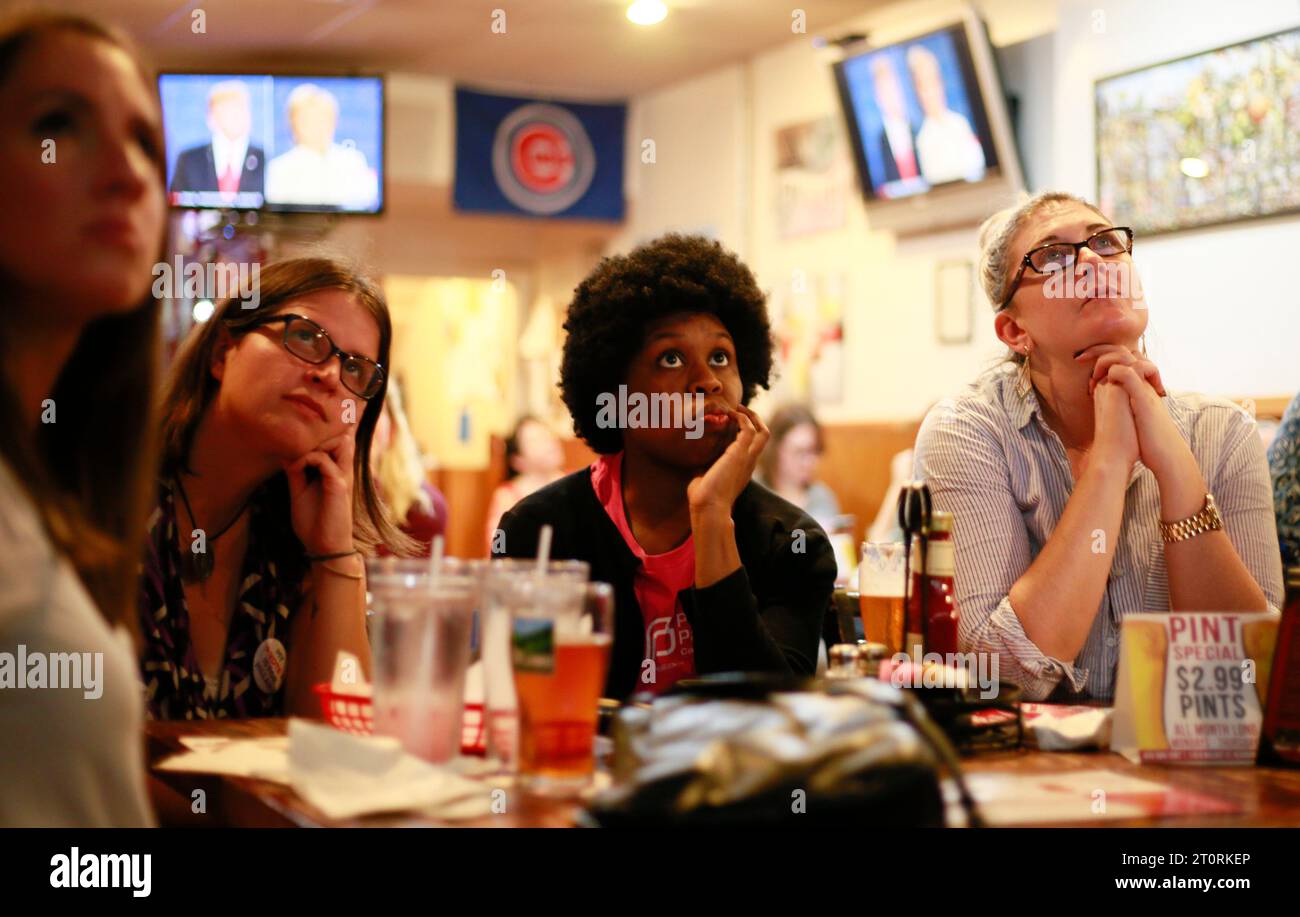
(197, 567)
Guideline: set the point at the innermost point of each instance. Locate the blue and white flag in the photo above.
(547, 159)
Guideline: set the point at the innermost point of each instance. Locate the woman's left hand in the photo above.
(1160, 446)
(719, 486)
(322, 508)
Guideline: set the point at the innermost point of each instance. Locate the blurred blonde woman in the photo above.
(399, 470)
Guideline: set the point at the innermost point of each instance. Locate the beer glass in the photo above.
(881, 590)
(501, 595)
(560, 644)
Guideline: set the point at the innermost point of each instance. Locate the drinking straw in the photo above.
(543, 551)
(423, 701)
(435, 559)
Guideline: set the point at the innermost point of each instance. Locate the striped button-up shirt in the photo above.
(992, 461)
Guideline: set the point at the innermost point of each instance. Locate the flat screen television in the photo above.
(283, 143)
(927, 117)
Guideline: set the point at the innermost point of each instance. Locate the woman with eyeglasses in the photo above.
(1082, 490)
(253, 578)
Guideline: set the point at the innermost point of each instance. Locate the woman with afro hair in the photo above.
(711, 571)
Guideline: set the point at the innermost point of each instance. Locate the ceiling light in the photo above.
(647, 12)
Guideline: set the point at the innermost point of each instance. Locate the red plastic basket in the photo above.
(354, 713)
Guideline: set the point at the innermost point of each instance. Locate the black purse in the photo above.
(764, 751)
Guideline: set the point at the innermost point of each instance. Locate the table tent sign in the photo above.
(1191, 686)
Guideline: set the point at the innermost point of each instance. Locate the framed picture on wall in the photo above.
(954, 288)
(1205, 139)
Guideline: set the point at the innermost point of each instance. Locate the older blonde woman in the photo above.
(316, 171)
(1082, 490)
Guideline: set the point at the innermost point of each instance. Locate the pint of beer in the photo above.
(561, 645)
(880, 593)
(557, 726)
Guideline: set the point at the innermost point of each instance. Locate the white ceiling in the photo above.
(587, 47)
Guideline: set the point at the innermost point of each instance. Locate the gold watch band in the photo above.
(1207, 520)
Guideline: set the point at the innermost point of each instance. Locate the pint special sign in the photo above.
(1191, 686)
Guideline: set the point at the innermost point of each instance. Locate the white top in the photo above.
(949, 149)
(66, 759)
(340, 177)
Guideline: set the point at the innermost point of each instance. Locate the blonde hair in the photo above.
(308, 93)
(228, 89)
(997, 232)
(400, 473)
(995, 237)
(919, 57)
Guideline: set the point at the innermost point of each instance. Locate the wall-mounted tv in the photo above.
(263, 142)
(927, 116)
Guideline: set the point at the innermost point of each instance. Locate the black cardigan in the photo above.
(765, 617)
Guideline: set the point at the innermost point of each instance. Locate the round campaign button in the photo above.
(268, 665)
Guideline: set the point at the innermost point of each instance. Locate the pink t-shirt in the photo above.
(659, 579)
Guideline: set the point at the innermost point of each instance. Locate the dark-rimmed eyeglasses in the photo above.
(1057, 256)
(308, 341)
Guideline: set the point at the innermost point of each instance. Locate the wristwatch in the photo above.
(1207, 520)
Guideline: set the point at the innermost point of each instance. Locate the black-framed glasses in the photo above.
(1057, 256)
(308, 341)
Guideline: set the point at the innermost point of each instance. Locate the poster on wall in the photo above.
(808, 324)
(814, 177)
(1210, 138)
(954, 313)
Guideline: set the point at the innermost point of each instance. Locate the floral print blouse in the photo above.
(251, 680)
(1284, 464)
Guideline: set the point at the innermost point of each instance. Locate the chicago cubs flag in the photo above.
(546, 159)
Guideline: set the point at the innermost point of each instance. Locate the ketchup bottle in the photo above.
(938, 632)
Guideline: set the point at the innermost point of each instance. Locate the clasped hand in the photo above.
(1131, 422)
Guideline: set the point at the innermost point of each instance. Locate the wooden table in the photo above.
(250, 803)
(1266, 796)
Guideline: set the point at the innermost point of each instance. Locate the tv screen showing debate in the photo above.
(288, 143)
(916, 115)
